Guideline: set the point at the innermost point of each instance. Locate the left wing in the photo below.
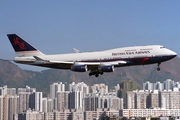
(90, 65)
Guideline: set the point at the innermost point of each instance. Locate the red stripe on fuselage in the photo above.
(145, 59)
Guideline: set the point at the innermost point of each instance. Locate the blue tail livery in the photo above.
(21, 47)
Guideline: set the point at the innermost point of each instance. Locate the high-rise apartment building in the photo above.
(79, 87)
(126, 85)
(50, 105)
(153, 99)
(136, 99)
(35, 101)
(169, 99)
(11, 91)
(114, 102)
(31, 115)
(13, 105)
(63, 100)
(140, 99)
(26, 89)
(130, 100)
(148, 86)
(44, 104)
(23, 101)
(93, 115)
(77, 115)
(91, 103)
(116, 89)
(174, 97)
(3, 90)
(166, 85)
(99, 88)
(48, 116)
(76, 100)
(1, 107)
(6, 106)
(54, 88)
(155, 112)
(66, 114)
(158, 86)
(164, 99)
(177, 84)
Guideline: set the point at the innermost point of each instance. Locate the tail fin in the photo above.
(21, 47)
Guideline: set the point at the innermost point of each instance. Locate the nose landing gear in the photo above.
(158, 69)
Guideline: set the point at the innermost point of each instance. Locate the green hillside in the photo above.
(13, 76)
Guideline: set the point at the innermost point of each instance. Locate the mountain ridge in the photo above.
(13, 76)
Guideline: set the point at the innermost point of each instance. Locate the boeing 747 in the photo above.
(95, 62)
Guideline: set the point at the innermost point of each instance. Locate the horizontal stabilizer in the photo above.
(38, 59)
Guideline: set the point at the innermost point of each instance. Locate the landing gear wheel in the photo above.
(101, 73)
(97, 75)
(90, 74)
(158, 69)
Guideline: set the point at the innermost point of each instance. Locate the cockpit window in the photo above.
(162, 47)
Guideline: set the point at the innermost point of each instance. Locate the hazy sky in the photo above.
(89, 25)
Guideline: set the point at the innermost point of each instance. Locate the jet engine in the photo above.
(79, 68)
(106, 68)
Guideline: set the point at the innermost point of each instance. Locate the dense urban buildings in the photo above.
(124, 86)
(147, 113)
(166, 85)
(156, 99)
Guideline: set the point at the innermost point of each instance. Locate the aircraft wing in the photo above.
(52, 61)
(104, 63)
(90, 65)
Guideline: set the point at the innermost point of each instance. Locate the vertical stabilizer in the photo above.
(21, 47)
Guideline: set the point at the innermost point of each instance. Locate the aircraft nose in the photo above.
(174, 54)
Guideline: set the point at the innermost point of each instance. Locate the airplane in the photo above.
(95, 62)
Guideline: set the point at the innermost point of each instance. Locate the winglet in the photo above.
(76, 50)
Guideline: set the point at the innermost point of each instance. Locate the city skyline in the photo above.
(80, 99)
(14, 102)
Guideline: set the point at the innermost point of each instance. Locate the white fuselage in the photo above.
(124, 53)
(96, 62)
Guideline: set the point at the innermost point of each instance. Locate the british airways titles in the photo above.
(131, 53)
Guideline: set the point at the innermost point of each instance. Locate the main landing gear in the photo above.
(158, 69)
(96, 73)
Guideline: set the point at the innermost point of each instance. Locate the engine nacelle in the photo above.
(79, 68)
(106, 68)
